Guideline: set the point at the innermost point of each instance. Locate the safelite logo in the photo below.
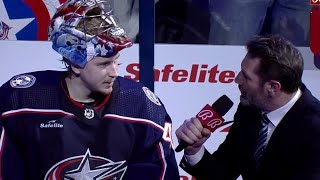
(197, 73)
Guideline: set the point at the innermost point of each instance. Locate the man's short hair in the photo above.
(279, 60)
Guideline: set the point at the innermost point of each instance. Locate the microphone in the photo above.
(211, 117)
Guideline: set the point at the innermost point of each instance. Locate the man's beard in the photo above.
(246, 102)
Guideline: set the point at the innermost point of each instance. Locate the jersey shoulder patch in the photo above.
(23, 81)
(151, 96)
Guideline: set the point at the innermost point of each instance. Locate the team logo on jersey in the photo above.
(87, 167)
(88, 113)
(22, 81)
(151, 96)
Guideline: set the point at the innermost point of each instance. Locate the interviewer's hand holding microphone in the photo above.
(195, 131)
(193, 134)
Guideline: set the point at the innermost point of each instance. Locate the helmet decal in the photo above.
(83, 29)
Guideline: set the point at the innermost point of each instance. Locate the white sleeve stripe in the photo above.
(163, 158)
(131, 119)
(2, 139)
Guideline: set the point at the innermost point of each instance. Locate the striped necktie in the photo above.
(262, 140)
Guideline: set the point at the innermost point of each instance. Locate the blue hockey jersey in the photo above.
(47, 135)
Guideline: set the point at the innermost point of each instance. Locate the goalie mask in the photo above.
(83, 29)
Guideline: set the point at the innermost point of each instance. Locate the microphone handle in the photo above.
(181, 146)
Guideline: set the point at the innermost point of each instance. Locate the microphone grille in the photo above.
(222, 105)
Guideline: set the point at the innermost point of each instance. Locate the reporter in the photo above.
(276, 130)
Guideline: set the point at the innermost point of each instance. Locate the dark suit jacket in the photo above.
(292, 153)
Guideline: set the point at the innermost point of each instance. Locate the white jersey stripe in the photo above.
(1, 139)
(131, 119)
(163, 158)
(28, 110)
